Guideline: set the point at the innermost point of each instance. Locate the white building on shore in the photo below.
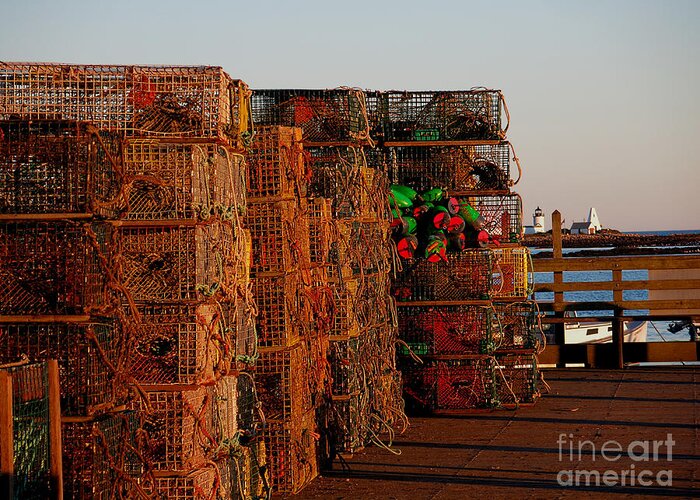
(590, 226)
(537, 223)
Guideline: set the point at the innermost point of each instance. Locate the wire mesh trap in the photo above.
(337, 175)
(178, 344)
(170, 180)
(54, 267)
(438, 115)
(281, 383)
(346, 367)
(503, 215)
(88, 355)
(466, 276)
(337, 115)
(176, 263)
(280, 236)
(346, 427)
(276, 165)
(197, 484)
(241, 474)
(458, 384)
(99, 461)
(292, 453)
(156, 101)
(56, 166)
(516, 378)
(30, 430)
(456, 168)
(515, 325)
(320, 224)
(430, 331)
(280, 309)
(511, 268)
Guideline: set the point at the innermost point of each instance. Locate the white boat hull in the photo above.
(598, 333)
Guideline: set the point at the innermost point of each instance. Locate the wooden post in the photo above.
(56, 445)
(7, 445)
(618, 322)
(559, 337)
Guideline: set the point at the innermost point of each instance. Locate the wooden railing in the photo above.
(619, 352)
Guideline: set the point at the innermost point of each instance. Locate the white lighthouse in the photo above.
(538, 221)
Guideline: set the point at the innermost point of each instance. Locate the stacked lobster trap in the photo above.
(125, 258)
(466, 322)
(350, 255)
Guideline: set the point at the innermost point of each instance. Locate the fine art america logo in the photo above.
(645, 456)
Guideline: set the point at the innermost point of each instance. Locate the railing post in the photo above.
(559, 328)
(618, 321)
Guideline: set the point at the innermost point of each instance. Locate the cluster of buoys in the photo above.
(431, 224)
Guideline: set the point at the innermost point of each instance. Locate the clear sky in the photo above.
(603, 95)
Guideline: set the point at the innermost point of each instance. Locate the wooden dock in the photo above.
(516, 454)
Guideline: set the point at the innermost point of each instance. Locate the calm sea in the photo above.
(657, 331)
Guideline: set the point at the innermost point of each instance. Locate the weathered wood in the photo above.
(7, 455)
(587, 286)
(624, 304)
(559, 331)
(634, 352)
(56, 446)
(609, 263)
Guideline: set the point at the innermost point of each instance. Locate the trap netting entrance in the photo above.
(465, 276)
(57, 267)
(57, 166)
(170, 180)
(457, 168)
(438, 115)
(156, 101)
(276, 163)
(88, 355)
(323, 115)
(30, 430)
(430, 331)
(185, 262)
(503, 215)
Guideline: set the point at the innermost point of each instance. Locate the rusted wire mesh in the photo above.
(176, 263)
(169, 180)
(179, 344)
(515, 325)
(239, 332)
(280, 236)
(457, 168)
(88, 356)
(362, 246)
(158, 101)
(446, 330)
(320, 224)
(281, 384)
(276, 165)
(511, 270)
(53, 267)
(458, 384)
(517, 378)
(503, 215)
(346, 367)
(323, 115)
(224, 409)
(437, 115)
(292, 451)
(466, 276)
(281, 309)
(177, 429)
(98, 459)
(347, 424)
(30, 430)
(57, 166)
(345, 322)
(199, 484)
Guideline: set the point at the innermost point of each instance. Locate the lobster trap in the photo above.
(456, 168)
(430, 331)
(276, 166)
(87, 354)
(346, 425)
(282, 310)
(515, 325)
(292, 453)
(57, 267)
(57, 166)
(281, 384)
(242, 473)
(176, 263)
(362, 246)
(516, 378)
(177, 429)
(178, 344)
(438, 115)
(346, 367)
(198, 484)
(337, 115)
(156, 101)
(455, 384)
(99, 461)
(503, 215)
(320, 224)
(345, 323)
(337, 175)
(170, 180)
(25, 400)
(511, 268)
(466, 276)
(224, 409)
(280, 236)
(239, 332)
